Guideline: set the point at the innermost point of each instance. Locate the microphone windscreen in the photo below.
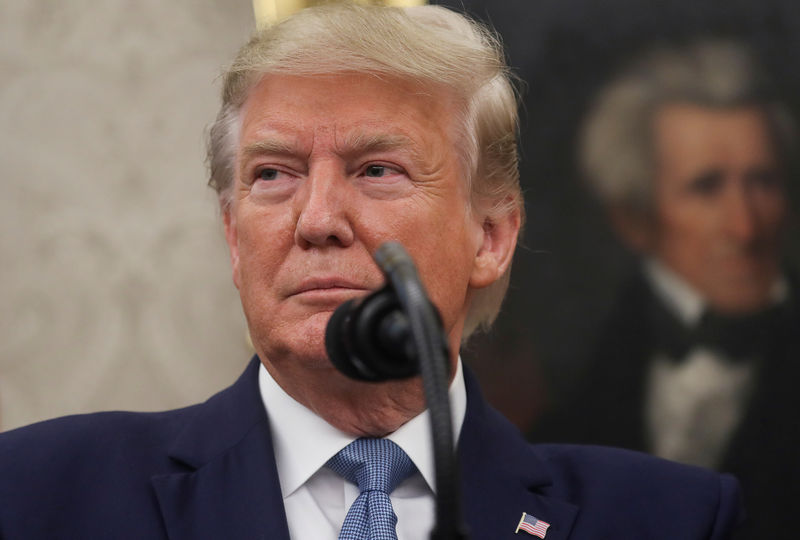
(335, 340)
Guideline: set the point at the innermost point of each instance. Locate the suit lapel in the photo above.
(503, 476)
(229, 488)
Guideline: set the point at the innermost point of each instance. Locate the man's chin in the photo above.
(307, 355)
(740, 299)
(275, 347)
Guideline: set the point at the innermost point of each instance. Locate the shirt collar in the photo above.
(303, 442)
(684, 300)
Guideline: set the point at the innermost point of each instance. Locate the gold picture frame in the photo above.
(271, 11)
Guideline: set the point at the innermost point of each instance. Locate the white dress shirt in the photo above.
(316, 499)
(693, 407)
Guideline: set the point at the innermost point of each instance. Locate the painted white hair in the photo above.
(428, 45)
(616, 144)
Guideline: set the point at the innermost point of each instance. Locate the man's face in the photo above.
(719, 203)
(329, 168)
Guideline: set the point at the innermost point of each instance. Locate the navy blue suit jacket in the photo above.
(208, 471)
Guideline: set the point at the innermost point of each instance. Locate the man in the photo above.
(688, 149)
(341, 128)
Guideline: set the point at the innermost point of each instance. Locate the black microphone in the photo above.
(395, 333)
(370, 338)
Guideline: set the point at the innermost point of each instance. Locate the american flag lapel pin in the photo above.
(532, 525)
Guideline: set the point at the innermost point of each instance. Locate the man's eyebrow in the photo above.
(267, 146)
(351, 144)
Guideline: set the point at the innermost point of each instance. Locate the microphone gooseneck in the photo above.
(394, 333)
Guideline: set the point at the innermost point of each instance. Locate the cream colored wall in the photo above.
(114, 286)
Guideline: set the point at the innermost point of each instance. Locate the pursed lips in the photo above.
(329, 288)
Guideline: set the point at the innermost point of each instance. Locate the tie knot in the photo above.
(372, 464)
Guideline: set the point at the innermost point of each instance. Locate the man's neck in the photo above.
(358, 408)
(683, 300)
(304, 441)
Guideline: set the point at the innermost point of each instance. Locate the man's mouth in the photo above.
(328, 290)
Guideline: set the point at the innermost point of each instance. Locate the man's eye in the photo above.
(267, 174)
(707, 184)
(375, 171)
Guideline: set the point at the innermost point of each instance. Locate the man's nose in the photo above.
(323, 218)
(741, 216)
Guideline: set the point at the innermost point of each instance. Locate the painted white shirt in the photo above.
(315, 498)
(693, 407)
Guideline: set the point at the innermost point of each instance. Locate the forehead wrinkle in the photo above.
(361, 142)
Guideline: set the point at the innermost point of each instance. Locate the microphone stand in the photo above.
(433, 356)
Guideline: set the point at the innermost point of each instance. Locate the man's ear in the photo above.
(634, 228)
(232, 238)
(496, 249)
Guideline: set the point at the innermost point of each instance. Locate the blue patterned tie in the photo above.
(377, 466)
